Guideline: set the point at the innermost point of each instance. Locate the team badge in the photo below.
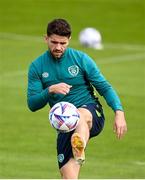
(60, 158)
(45, 74)
(73, 70)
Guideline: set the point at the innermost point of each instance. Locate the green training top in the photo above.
(74, 68)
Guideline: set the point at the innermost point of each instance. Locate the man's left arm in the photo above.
(105, 89)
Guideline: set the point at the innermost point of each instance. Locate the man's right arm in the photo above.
(37, 97)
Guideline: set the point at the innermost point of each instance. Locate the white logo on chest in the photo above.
(73, 70)
(45, 74)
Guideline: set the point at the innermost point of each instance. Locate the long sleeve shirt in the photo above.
(74, 68)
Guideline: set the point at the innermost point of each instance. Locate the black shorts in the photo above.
(64, 149)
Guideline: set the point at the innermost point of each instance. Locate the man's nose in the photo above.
(58, 46)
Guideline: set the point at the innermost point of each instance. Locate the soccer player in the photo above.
(66, 74)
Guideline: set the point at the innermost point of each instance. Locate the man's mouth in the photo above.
(57, 51)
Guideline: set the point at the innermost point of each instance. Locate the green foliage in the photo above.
(27, 142)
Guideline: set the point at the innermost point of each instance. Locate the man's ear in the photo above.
(46, 39)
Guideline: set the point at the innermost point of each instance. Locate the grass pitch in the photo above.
(27, 142)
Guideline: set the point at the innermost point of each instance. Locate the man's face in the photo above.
(57, 44)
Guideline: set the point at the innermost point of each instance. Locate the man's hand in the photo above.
(60, 88)
(120, 127)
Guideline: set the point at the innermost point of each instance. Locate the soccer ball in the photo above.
(90, 37)
(64, 117)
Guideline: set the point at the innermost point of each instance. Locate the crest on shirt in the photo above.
(45, 74)
(60, 158)
(73, 70)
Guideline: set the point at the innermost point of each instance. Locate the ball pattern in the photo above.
(64, 117)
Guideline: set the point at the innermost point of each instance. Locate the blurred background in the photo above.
(27, 141)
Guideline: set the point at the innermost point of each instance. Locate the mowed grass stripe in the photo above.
(107, 60)
(39, 39)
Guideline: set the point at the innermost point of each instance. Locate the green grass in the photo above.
(27, 142)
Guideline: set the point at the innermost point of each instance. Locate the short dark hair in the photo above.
(59, 27)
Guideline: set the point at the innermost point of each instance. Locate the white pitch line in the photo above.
(140, 163)
(14, 73)
(23, 37)
(20, 37)
(136, 47)
(123, 58)
(109, 60)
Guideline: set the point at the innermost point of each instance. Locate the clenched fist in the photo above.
(60, 88)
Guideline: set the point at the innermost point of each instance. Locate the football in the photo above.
(64, 117)
(90, 37)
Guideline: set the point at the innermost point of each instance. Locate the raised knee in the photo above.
(86, 116)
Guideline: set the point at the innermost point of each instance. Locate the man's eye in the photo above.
(54, 42)
(63, 43)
